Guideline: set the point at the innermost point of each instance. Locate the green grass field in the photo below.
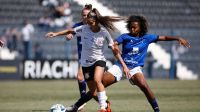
(35, 96)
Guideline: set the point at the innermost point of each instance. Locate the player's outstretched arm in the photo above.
(64, 32)
(1, 43)
(171, 38)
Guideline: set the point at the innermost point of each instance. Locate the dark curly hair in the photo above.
(142, 22)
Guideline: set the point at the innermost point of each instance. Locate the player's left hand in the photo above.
(184, 42)
(1, 43)
(127, 72)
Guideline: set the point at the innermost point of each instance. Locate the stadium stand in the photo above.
(160, 13)
(166, 17)
(14, 12)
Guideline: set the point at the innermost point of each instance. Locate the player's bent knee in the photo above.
(98, 82)
(108, 79)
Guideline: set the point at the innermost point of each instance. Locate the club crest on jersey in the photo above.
(135, 50)
(99, 42)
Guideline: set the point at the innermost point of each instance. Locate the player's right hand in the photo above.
(50, 35)
(127, 72)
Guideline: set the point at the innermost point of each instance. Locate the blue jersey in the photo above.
(134, 49)
(79, 44)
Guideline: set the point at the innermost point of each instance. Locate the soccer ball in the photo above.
(57, 108)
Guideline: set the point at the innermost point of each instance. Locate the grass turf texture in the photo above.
(36, 96)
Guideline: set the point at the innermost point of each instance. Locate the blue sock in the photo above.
(154, 105)
(82, 87)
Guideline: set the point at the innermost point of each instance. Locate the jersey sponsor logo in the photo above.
(132, 61)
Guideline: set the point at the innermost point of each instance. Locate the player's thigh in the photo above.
(98, 73)
(108, 79)
(139, 79)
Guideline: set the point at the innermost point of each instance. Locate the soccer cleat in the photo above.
(108, 108)
(81, 107)
(72, 108)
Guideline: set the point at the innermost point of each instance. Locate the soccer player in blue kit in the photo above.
(134, 50)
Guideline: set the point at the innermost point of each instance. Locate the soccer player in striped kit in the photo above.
(81, 81)
(93, 37)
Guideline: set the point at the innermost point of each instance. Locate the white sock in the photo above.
(102, 99)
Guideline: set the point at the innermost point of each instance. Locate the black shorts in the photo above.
(88, 72)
